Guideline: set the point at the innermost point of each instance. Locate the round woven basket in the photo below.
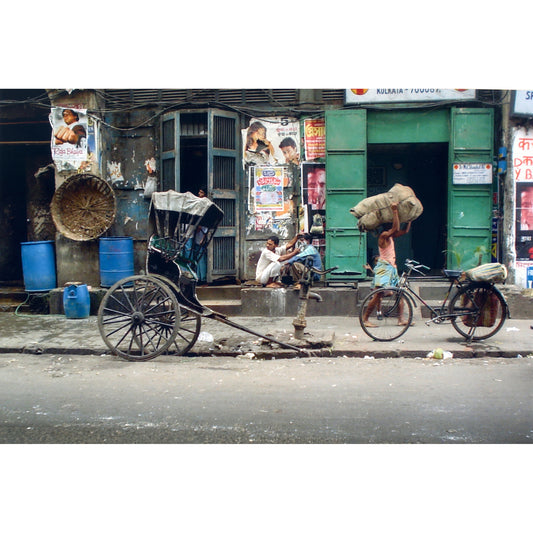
(83, 207)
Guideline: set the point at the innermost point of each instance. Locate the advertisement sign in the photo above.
(522, 103)
(268, 188)
(69, 134)
(315, 138)
(73, 143)
(361, 96)
(472, 173)
(271, 141)
(523, 175)
(314, 197)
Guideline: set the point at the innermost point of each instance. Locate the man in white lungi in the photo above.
(269, 264)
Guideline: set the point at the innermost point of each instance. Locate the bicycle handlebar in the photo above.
(411, 264)
(320, 272)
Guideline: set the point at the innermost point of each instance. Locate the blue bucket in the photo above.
(76, 301)
(38, 266)
(116, 259)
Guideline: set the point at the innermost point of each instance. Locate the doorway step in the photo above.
(16, 299)
(225, 299)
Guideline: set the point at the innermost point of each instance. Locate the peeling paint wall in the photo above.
(127, 157)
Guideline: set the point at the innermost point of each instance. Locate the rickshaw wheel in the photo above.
(139, 318)
(189, 327)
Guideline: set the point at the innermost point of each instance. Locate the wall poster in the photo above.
(267, 186)
(271, 141)
(523, 175)
(315, 138)
(73, 143)
(314, 200)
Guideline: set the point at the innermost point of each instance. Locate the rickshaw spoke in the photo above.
(145, 330)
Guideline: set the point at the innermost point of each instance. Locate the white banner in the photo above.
(359, 96)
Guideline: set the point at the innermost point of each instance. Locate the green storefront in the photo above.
(367, 151)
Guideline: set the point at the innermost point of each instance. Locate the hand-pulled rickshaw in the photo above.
(144, 316)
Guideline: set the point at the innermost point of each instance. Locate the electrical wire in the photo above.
(115, 103)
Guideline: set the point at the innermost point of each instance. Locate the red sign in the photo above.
(315, 138)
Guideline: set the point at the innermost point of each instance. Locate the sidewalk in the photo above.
(327, 336)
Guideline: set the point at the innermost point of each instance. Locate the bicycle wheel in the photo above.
(380, 315)
(139, 318)
(480, 311)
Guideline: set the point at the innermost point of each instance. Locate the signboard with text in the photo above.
(522, 103)
(360, 96)
(472, 173)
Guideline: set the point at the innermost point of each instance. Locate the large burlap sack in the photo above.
(490, 272)
(374, 211)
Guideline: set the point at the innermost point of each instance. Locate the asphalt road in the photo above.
(103, 399)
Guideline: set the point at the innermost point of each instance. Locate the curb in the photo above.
(473, 353)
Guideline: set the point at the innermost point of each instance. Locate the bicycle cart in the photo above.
(143, 316)
(476, 309)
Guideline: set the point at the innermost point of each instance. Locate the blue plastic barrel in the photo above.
(116, 259)
(76, 301)
(38, 266)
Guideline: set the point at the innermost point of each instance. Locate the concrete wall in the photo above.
(125, 157)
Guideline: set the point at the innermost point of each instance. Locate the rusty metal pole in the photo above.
(300, 322)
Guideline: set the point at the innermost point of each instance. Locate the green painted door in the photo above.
(469, 204)
(346, 140)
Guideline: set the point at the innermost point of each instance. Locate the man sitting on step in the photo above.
(269, 265)
(307, 254)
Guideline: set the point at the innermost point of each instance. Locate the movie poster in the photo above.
(314, 196)
(271, 141)
(73, 140)
(523, 174)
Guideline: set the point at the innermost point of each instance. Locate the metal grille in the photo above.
(168, 174)
(224, 132)
(333, 96)
(224, 172)
(224, 253)
(168, 135)
(123, 98)
(228, 206)
(192, 124)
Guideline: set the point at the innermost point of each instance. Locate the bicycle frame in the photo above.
(464, 305)
(439, 314)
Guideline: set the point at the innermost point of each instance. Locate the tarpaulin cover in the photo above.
(189, 208)
(181, 202)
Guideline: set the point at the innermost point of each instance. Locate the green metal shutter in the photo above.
(346, 140)
(469, 206)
